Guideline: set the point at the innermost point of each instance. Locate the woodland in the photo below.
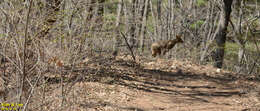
(98, 55)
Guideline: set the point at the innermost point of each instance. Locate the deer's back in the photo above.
(160, 44)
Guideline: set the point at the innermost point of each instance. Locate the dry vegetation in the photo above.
(94, 55)
(104, 83)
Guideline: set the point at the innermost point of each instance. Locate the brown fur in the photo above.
(164, 46)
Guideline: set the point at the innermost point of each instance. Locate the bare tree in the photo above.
(133, 23)
(116, 37)
(143, 25)
(222, 32)
(159, 18)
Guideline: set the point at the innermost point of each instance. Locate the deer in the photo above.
(164, 46)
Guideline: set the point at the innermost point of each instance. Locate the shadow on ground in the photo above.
(133, 75)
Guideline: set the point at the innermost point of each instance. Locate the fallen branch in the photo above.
(130, 49)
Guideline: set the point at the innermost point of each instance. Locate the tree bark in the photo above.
(238, 33)
(116, 37)
(159, 3)
(133, 25)
(154, 22)
(221, 33)
(143, 25)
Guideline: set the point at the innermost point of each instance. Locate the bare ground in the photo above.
(119, 84)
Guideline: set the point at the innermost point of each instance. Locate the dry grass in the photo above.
(103, 83)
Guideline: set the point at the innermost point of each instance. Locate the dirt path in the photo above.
(189, 87)
(157, 85)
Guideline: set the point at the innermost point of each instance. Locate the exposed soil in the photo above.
(119, 84)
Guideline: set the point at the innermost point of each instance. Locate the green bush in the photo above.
(231, 51)
(197, 24)
(110, 17)
(201, 3)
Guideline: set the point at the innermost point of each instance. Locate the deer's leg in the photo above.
(158, 52)
(155, 52)
(164, 52)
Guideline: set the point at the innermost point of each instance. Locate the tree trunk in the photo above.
(221, 33)
(159, 3)
(143, 25)
(116, 37)
(132, 39)
(154, 22)
(238, 33)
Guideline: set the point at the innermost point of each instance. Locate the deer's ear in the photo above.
(178, 36)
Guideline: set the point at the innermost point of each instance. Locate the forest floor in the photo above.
(119, 84)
